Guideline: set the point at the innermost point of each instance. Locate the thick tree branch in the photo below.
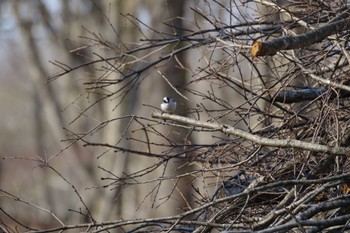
(293, 96)
(300, 41)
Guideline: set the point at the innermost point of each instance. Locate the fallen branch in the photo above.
(294, 96)
(299, 41)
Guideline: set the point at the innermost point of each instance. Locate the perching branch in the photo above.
(283, 143)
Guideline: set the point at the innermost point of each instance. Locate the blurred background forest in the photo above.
(83, 150)
(40, 111)
(36, 34)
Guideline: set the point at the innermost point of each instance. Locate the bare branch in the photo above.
(283, 143)
(294, 96)
(300, 41)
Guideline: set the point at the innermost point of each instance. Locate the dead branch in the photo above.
(282, 143)
(300, 41)
(294, 96)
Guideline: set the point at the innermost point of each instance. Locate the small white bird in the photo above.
(168, 104)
